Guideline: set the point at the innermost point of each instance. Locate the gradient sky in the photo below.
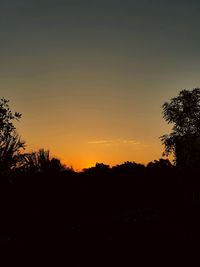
(90, 77)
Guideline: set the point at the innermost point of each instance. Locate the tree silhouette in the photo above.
(183, 112)
(10, 142)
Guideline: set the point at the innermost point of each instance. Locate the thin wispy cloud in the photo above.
(98, 142)
(132, 142)
(115, 142)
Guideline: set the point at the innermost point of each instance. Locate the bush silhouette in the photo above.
(41, 162)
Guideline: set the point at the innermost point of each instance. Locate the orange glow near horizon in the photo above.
(111, 152)
(87, 162)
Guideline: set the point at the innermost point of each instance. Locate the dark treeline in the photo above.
(103, 215)
(128, 207)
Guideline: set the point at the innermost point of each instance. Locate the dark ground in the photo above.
(101, 217)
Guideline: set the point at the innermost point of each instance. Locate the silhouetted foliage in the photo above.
(37, 161)
(129, 166)
(10, 142)
(160, 164)
(102, 211)
(56, 165)
(40, 161)
(98, 168)
(183, 112)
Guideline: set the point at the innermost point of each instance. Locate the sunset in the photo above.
(99, 128)
(84, 71)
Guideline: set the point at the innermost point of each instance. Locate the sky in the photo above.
(90, 76)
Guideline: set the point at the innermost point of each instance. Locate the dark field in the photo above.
(121, 214)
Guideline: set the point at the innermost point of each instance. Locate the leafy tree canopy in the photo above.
(183, 112)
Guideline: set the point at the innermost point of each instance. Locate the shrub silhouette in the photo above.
(40, 161)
